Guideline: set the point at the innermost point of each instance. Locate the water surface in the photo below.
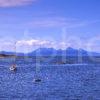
(58, 82)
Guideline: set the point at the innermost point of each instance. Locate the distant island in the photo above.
(52, 56)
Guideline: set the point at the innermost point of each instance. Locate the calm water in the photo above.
(64, 82)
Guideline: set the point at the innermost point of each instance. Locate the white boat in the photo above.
(13, 68)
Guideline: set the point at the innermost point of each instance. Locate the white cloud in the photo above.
(12, 3)
(32, 44)
(28, 45)
(6, 46)
(24, 45)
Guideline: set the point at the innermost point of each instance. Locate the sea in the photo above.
(57, 82)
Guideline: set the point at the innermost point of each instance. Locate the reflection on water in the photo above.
(64, 82)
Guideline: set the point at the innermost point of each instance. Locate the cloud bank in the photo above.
(13, 3)
(32, 44)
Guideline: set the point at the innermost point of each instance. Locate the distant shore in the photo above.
(55, 59)
(6, 56)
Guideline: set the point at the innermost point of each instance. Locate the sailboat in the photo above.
(13, 67)
(37, 78)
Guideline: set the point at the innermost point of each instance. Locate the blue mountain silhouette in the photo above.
(53, 52)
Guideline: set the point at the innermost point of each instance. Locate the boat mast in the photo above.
(37, 64)
(15, 54)
(13, 67)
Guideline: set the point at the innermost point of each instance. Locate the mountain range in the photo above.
(53, 52)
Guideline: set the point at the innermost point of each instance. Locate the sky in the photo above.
(29, 24)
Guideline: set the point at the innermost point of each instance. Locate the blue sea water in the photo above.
(58, 82)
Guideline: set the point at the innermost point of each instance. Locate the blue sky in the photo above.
(50, 23)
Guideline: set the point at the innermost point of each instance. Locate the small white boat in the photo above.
(12, 68)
